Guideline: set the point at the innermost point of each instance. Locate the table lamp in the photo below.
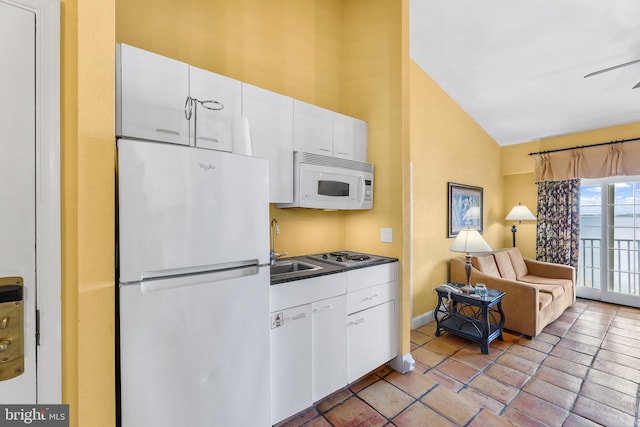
(519, 213)
(469, 241)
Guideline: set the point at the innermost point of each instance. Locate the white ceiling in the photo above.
(516, 67)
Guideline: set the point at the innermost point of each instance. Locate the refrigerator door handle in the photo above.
(154, 285)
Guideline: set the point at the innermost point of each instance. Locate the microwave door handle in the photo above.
(362, 190)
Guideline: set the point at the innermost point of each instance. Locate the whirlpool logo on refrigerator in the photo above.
(207, 167)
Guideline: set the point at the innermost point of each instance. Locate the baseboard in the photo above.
(423, 319)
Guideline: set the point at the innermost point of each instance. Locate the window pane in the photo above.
(588, 274)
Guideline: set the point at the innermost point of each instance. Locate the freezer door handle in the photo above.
(153, 285)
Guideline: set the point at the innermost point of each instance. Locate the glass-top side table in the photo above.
(470, 316)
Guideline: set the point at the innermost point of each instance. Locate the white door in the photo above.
(218, 101)
(17, 187)
(329, 334)
(270, 117)
(290, 362)
(152, 95)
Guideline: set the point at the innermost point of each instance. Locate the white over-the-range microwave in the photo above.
(324, 182)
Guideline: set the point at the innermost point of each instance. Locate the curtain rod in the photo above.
(584, 146)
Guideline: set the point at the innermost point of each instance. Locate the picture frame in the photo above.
(465, 208)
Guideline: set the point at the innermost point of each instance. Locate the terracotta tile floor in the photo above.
(582, 370)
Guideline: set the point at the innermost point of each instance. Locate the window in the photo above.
(609, 264)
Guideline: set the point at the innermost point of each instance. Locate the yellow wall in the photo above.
(87, 163)
(446, 146)
(519, 180)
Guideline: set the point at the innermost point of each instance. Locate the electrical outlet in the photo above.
(386, 235)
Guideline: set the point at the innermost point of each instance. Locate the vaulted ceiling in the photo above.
(517, 67)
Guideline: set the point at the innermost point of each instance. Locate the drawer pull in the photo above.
(325, 308)
(357, 322)
(206, 138)
(172, 132)
(299, 316)
(372, 297)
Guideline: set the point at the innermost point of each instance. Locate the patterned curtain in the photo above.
(558, 227)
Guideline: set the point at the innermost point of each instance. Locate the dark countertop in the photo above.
(325, 268)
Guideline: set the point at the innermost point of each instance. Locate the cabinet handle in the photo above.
(204, 138)
(299, 316)
(372, 297)
(325, 308)
(344, 154)
(324, 149)
(172, 132)
(357, 322)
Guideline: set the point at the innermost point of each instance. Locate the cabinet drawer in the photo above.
(369, 297)
(298, 292)
(364, 277)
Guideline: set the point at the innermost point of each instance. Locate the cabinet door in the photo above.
(344, 129)
(212, 126)
(270, 118)
(312, 129)
(150, 96)
(371, 339)
(290, 362)
(360, 138)
(329, 346)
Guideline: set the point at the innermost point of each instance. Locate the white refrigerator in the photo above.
(193, 287)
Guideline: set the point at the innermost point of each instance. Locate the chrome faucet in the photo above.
(273, 256)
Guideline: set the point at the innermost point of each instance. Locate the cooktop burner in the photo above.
(345, 258)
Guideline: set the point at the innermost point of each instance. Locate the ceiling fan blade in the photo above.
(611, 68)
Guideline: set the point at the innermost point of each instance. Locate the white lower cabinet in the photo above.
(327, 332)
(329, 346)
(371, 323)
(290, 362)
(371, 335)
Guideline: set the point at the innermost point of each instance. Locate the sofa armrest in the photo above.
(551, 270)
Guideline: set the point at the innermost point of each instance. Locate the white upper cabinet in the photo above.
(360, 138)
(312, 129)
(349, 138)
(151, 94)
(217, 102)
(344, 131)
(270, 117)
(321, 131)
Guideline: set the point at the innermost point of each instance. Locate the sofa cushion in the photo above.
(544, 300)
(504, 265)
(518, 263)
(487, 265)
(539, 280)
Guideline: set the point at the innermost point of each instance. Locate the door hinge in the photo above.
(37, 327)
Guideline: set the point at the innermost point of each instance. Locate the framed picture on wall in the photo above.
(465, 208)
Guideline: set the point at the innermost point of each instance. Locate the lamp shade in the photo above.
(469, 240)
(520, 213)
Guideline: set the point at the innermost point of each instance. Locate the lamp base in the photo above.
(468, 289)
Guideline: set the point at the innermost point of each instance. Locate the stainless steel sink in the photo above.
(286, 267)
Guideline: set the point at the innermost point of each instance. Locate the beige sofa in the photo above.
(536, 293)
